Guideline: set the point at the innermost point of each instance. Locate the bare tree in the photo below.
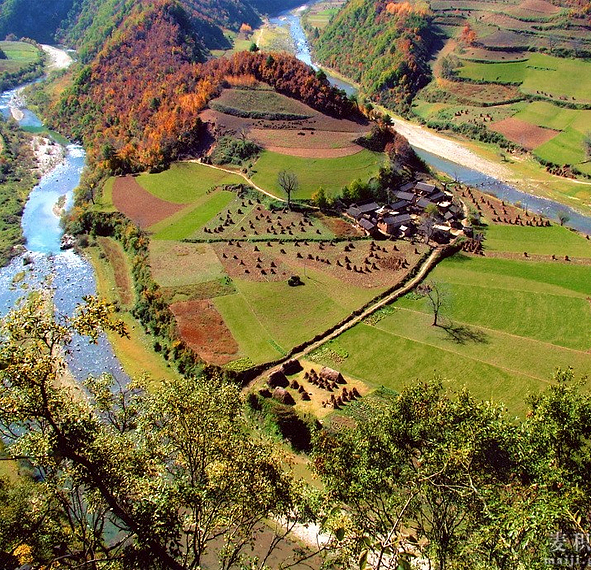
(437, 296)
(289, 184)
(563, 217)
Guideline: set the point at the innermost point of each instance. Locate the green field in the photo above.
(185, 182)
(510, 324)
(545, 114)
(555, 240)
(330, 173)
(189, 220)
(19, 54)
(570, 78)
(269, 319)
(565, 148)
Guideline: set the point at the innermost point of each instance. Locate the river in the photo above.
(459, 172)
(43, 265)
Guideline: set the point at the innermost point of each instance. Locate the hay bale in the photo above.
(332, 376)
(292, 367)
(283, 396)
(265, 393)
(277, 379)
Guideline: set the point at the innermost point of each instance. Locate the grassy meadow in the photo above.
(330, 173)
(18, 55)
(507, 325)
(556, 77)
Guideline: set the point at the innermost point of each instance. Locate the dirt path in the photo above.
(238, 173)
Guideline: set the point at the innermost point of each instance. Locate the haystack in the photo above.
(291, 367)
(332, 375)
(283, 396)
(277, 379)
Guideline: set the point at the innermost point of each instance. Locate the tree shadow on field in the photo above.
(462, 334)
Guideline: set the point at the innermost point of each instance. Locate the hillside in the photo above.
(136, 106)
(87, 24)
(388, 46)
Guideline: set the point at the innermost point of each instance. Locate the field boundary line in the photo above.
(544, 342)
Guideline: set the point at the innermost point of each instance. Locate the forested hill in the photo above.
(383, 45)
(136, 105)
(86, 24)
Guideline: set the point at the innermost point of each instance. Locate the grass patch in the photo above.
(545, 114)
(19, 55)
(175, 264)
(559, 77)
(565, 148)
(135, 353)
(330, 173)
(259, 104)
(554, 240)
(254, 340)
(185, 182)
(199, 291)
(188, 221)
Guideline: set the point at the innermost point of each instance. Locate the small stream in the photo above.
(69, 275)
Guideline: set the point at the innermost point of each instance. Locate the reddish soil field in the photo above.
(527, 135)
(203, 329)
(364, 263)
(139, 205)
(485, 93)
(494, 56)
(529, 8)
(497, 211)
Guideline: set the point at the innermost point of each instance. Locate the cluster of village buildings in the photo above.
(414, 206)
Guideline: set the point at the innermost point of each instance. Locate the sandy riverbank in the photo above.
(48, 154)
(57, 58)
(446, 148)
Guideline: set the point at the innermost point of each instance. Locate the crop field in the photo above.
(524, 134)
(319, 14)
(19, 54)
(282, 125)
(507, 326)
(330, 173)
(566, 148)
(554, 240)
(257, 102)
(555, 78)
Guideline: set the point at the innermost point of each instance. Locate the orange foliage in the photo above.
(137, 106)
(468, 35)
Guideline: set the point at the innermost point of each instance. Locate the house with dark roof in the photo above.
(391, 224)
(422, 203)
(368, 208)
(354, 212)
(424, 189)
(400, 206)
(367, 226)
(406, 187)
(406, 196)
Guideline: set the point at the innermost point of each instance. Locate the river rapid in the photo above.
(43, 265)
(456, 171)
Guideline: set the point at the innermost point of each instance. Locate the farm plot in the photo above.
(250, 218)
(139, 205)
(566, 148)
(543, 75)
(18, 55)
(524, 134)
(202, 327)
(281, 124)
(507, 326)
(362, 264)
